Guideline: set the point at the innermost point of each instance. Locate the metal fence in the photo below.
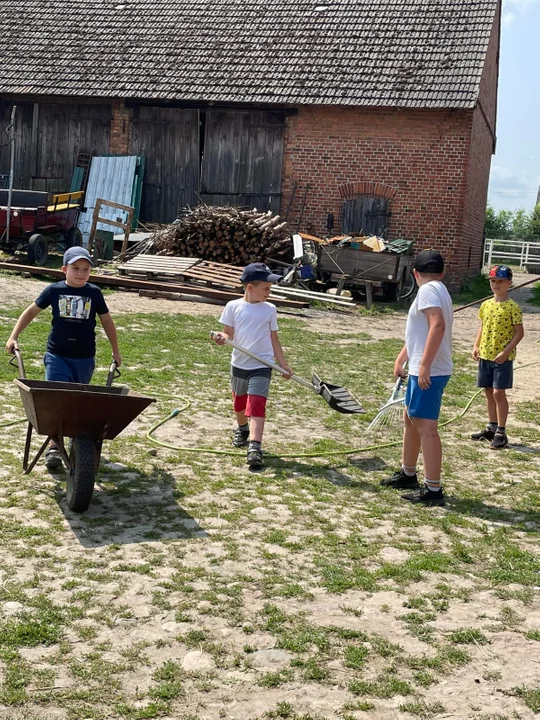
(524, 253)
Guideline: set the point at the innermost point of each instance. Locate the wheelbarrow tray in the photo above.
(60, 409)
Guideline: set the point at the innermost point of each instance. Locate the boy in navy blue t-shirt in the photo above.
(71, 346)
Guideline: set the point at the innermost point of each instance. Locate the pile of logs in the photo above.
(223, 234)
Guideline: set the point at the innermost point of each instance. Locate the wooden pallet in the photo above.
(157, 266)
(168, 268)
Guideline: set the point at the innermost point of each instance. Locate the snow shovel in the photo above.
(339, 398)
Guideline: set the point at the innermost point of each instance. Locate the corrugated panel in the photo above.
(111, 178)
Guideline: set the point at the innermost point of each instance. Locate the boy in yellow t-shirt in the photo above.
(495, 349)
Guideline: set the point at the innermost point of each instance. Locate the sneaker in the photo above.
(486, 434)
(499, 441)
(401, 481)
(254, 455)
(240, 437)
(426, 497)
(53, 459)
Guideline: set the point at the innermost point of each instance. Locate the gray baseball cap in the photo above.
(73, 254)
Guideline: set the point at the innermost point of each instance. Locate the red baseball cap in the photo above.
(500, 271)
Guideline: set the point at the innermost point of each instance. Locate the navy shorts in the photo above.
(63, 369)
(495, 375)
(425, 404)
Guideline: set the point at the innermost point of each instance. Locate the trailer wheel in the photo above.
(38, 249)
(408, 287)
(83, 458)
(73, 237)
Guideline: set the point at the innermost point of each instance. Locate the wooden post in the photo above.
(126, 226)
(369, 294)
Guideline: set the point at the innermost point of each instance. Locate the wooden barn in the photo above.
(381, 113)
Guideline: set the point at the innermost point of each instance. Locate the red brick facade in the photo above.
(422, 157)
(120, 128)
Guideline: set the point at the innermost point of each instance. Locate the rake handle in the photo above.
(253, 356)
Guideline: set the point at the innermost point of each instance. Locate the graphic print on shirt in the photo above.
(74, 307)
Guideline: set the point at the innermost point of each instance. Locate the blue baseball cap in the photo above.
(259, 271)
(500, 271)
(73, 254)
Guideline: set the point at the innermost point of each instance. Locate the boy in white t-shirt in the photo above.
(428, 350)
(251, 322)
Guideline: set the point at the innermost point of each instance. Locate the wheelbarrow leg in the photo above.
(28, 468)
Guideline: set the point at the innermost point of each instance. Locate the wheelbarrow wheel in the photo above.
(73, 237)
(83, 458)
(38, 249)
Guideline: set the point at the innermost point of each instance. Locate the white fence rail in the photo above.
(512, 252)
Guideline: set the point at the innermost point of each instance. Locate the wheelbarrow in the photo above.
(338, 397)
(87, 414)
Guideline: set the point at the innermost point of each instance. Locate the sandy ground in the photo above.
(481, 689)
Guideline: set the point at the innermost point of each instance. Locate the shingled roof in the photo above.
(397, 53)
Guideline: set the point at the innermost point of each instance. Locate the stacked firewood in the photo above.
(223, 234)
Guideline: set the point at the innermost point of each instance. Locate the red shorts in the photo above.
(252, 405)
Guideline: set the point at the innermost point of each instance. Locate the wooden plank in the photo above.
(123, 282)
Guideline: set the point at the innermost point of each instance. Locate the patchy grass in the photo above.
(165, 598)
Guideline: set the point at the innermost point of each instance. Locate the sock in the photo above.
(243, 427)
(409, 471)
(501, 429)
(433, 485)
(492, 426)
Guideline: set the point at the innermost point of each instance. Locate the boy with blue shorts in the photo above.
(428, 350)
(251, 321)
(500, 332)
(71, 346)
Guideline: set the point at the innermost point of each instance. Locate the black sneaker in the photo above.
(486, 434)
(401, 481)
(254, 455)
(499, 441)
(240, 436)
(426, 497)
(53, 459)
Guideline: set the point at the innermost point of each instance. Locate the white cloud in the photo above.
(508, 18)
(520, 6)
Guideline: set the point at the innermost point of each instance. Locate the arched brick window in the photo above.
(366, 208)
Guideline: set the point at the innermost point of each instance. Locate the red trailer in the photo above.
(34, 223)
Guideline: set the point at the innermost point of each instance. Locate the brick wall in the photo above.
(422, 155)
(482, 146)
(120, 128)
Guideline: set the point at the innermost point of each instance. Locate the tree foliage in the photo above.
(513, 225)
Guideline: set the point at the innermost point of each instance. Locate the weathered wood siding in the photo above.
(365, 216)
(169, 140)
(243, 156)
(49, 137)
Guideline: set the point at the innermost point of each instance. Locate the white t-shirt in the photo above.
(252, 323)
(431, 295)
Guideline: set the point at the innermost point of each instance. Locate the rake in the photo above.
(392, 411)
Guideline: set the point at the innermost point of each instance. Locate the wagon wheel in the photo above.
(38, 249)
(83, 458)
(73, 237)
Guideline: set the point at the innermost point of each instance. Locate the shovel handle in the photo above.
(299, 380)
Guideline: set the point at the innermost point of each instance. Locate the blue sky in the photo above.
(515, 168)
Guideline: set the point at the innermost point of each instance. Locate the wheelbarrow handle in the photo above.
(18, 357)
(299, 380)
(114, 372)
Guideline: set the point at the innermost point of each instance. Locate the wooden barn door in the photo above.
(169, 140)
(242, 158)
(58, 133)
(367, 215)
(23, 147)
